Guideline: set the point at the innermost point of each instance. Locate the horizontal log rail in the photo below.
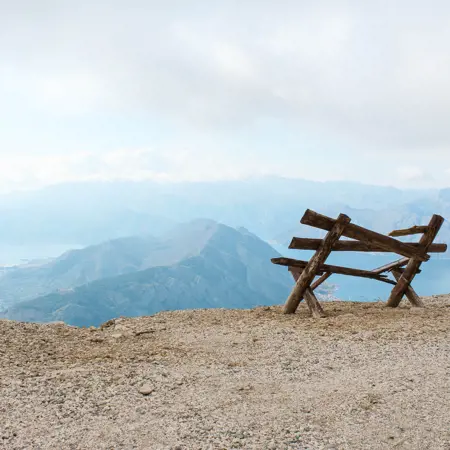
(294, 264)
(369, 237)
(355, 246)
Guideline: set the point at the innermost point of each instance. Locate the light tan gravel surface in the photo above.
(366, 377)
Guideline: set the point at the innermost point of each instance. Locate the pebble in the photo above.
(146, 389)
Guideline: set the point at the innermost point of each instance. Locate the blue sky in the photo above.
(216, 90)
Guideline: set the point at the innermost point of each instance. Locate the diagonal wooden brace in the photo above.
(313, 304)
(309, 272)
(414, 264)
(311, 299)
(410, 293)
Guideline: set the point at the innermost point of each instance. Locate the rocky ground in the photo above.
(366, 377)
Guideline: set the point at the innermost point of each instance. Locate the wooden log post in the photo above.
(414, 264)
(311, 300)
(410, 293)
(313, 304)
(364, 235)
(309, 272)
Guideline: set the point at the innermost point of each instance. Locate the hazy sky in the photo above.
(195, 90)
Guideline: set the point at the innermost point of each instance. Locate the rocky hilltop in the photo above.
(365, 377)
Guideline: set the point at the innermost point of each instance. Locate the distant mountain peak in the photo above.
(218, 266)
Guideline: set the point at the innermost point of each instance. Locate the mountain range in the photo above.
(88, 213)
(107, 259)
(200, 264)
(131, 255)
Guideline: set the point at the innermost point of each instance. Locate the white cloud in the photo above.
(373, 75)
(33, 171)
(411, 173)
(233, 62)
(67, 92)
(412, 176)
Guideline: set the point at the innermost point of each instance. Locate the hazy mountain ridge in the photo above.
(91, 212)
(232, 270)
(108, 259)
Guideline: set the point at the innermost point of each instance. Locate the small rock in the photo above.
(139, 333)
(108, 324)
(116, 335)
(245, 388)
(146, 389)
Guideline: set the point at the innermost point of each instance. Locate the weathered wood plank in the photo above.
(364, 235)
(414, 264)
(296, 274)
(319, 258)
(355, 246)
(401, 270)
(320, 280)
(392, 265)
(416, 229)
(296, 271)
(410, 293)
(313, 304)
(294, 264)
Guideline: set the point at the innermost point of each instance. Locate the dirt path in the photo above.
(366, 377)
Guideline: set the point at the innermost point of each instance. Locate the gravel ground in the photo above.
(365, 377)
